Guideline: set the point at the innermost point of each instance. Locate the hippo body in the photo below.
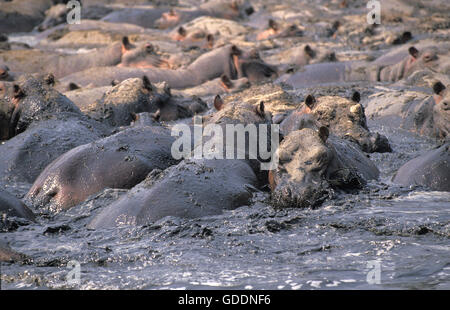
(353, 71)
(143, 17)
(209, 66)
(22, 15)
(119, 161)
(12, 206)
(196, 188)
(431, 170)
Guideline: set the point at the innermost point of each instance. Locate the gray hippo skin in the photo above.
(335, 72)
(311, 166)
(122, 53)
(22, 15)
(227, 60)
(431, 170)
(43, 125)
(343, 117)
(12, 206)
(118, 161)
(196, 188)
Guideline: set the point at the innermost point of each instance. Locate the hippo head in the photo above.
(243, 7)
(346, 118)
(276, 30)
(250, 65)
(168, 19)
(34, 97)
(54, 16)
(233, 85)
(441, 110)
(420, 60)
(300, 178)
(140, 56)
(4, 73)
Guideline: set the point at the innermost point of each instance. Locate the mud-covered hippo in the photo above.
(414, 110)
(229, 60)
(217, 86)
(431, 170)
(197, 187)
(22, 15)
(118, 161)
(12, 206)
(122, 53)
(343, 117)
(42, 125)
(350, 71)
(312, 165)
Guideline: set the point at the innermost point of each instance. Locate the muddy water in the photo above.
(404, 231)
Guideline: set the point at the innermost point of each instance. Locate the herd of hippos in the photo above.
(73, 124)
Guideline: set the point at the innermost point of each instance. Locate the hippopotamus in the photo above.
(7, 254)
(5, 74)
(313, 164)
(229, 60)
(275, 30)
(431, 170)
(197, 187)
(22, 15)
(198, 38)
(414, 110)
(122, 53)
(215, 8)
(343, 117)
(350, 71)
(42, 125)
(217, 86)
(118, 161)
(12, 206)
(57, 15)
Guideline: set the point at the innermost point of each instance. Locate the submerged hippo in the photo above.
(228, 60)
(11, 206)
(118, 161)
(313, 165)
(275, 30)
(431, 170)
(42, 125)
(7, 254)
(336, 72)
(197, 187)
(344, 118)
(122, 53)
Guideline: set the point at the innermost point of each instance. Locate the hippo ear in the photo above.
(218, 103)
(309, 51)
(157, 115)
(166, 89)
(413, 52)
(146, 83)
(18, 92)
(149, 48)
(114, 82)
(226, 81)
(126, 43)
(336, 25)
(260, 109)
(182, 31)
(406, 36)
(324, 133)
(356, 97)
(438, 87)
(273, 25)
(235, 51)
(310, 101)
(210, 40)
(73, 86)
(134, 116)
(49, 79)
